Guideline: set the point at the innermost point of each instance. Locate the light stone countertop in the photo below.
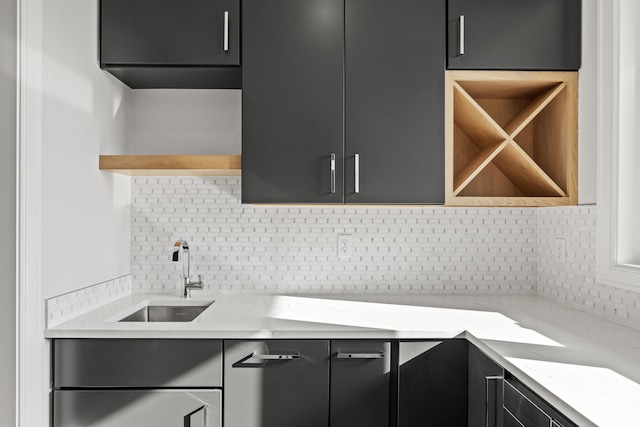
(585, 366)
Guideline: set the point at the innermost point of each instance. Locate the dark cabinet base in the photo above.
(142, 77)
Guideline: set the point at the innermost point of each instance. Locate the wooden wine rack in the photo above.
(511, 138)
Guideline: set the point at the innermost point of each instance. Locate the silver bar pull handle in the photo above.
(357, 173)
(226, 31)
(373, 355)
(487, 403)
(461, 47)
(333, 173)
(294, 356)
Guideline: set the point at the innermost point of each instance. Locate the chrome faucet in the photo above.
(182, 247)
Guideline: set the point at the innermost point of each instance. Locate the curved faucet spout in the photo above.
(182, 247)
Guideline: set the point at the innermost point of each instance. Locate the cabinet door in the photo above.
(120, 408)
(276, 383)
(292, 101)
(394, 104)
(514, 34)
(360, 383)
(432, 383)
(170, 32)
(485, 389)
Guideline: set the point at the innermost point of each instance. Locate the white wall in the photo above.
(185, 122)
(85, 212)
(8, 211)
(587, 105)
(629, 149)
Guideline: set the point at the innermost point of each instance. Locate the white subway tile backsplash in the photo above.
(66, 306)
(293, 249)
(574, 282)
(430, 250)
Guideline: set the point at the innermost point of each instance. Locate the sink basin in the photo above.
(166, 313)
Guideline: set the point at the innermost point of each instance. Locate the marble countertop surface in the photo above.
(585, 366)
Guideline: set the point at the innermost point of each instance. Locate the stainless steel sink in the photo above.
(166, 313)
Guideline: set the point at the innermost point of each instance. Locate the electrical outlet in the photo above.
(344, 245)
(559, 250)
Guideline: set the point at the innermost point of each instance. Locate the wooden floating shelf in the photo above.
(172, 165)
(511, 138)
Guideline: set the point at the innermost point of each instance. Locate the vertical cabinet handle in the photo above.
(357, 173)
(488, 422)
(226, 31)
(461, 47)
(333, 173)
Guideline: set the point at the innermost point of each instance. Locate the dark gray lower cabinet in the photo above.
(149, 363)
(523, 407)
(128, 408)
(276, 383)
(485, 390)
(137, 382)
(360, 383)
(288, 383)
(432, 383)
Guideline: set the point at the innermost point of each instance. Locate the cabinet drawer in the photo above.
(118, 408)
(137, 363)
(509, 420)
(528, 408)
(523, 409)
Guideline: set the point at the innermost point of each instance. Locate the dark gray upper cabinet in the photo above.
(514, 34)
(292, 100)
(171, 43)
(343, 78)
(394, 114)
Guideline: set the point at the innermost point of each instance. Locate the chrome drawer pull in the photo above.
(255, 360)
(294, 356)
(379, 355)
